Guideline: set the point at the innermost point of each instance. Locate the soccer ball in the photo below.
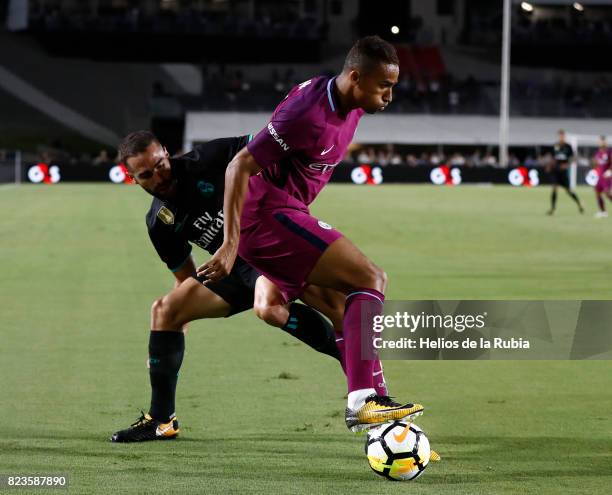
(398, 451)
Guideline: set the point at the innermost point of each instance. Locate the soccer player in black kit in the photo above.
(188, 208)
(562, 155)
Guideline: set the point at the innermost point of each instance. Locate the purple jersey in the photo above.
(303, 142)
(603, 159)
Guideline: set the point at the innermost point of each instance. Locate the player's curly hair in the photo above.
(368, 52)
(135, 143)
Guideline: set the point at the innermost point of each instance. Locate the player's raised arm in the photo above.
(242, 166)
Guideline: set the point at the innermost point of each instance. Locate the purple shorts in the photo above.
(283, 241)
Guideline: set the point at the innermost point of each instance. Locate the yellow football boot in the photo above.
(147, 428)
(379, 409)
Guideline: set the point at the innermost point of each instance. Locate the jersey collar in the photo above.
(330, 96)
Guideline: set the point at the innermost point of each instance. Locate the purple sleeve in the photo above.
(284, 135)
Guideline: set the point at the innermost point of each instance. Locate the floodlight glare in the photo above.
(527, 7)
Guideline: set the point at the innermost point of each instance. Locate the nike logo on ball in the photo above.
(324, 152)
(400, 438)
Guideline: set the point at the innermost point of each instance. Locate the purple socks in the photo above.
(368, 302)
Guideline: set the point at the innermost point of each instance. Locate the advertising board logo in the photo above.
(364, 174)
(41, 172)
(522, 176)
(119, 175)
(444, 175)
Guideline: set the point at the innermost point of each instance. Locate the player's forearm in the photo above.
(236, 186)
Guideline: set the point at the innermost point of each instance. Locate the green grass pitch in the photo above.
(79, 275)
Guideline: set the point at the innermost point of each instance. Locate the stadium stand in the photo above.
(442, 74)
(117, 97)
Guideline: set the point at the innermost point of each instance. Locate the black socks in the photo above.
(553, 200)
(309, 326)
(575, 198)
(166, 350)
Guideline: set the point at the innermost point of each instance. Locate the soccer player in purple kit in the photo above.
(603, 162)
(269, 185)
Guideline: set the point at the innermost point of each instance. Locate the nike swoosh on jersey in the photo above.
(325, 152)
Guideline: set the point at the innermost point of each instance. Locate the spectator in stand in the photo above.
(530, 161)
(369, 155)
(474, 160)
(457, 160)
(382, 158)
(411, 160)
(513, 161)
(545, 160)
(490, 160)
(437, 159)
(102, 159)
(424, 159)
(396, 159)
(362, 156)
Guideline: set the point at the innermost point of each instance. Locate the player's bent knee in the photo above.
(375, 278)
(272, 315)
(165, 315)
(155, 308)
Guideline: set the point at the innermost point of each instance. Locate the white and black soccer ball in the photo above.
(398, 451)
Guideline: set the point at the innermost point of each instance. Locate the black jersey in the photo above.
(196, 215)
(562, 154)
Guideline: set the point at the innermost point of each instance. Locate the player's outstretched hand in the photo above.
(220, 265)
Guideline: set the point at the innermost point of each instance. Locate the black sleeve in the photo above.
(172, 249)
(213, 156)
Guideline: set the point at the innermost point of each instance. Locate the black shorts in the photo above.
(560, 177)
(238, 288)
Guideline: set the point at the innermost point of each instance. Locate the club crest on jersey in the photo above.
(165, 215)
(206, 189)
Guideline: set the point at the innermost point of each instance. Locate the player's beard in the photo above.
(166, 191)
